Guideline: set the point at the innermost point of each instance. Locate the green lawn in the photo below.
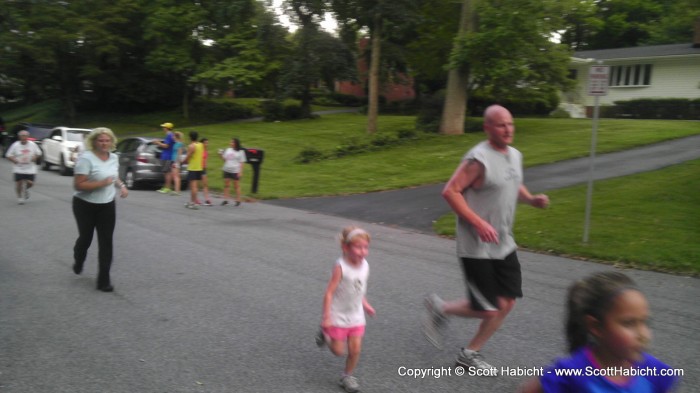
(649, 220)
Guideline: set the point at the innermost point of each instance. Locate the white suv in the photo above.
(61, 146)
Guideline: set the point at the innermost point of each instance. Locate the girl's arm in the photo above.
(368, 307)
(328, 296)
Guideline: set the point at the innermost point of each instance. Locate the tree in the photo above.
(173, 31)
(455, 107)
(676, 23)
(511, 56)
(379, 17)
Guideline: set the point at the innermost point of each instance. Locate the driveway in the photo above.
(418, 207)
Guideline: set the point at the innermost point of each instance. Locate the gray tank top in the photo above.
(494, 202)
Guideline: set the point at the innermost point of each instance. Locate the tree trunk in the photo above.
(186, 103)
(375, 60)
(455, 107)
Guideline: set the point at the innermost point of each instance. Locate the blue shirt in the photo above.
(95, 169)
(588, 382)
(167, 153)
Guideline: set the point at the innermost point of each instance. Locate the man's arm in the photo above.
(469, 173)
(539, 200)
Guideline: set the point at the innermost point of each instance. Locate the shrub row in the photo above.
(274, 110)
(355, 145)
(224, 109)
(656, 108)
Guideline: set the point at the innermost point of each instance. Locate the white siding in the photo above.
(671, 78)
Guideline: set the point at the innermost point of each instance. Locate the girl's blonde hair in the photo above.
(178, 135)
(90, 140)
(351, 232)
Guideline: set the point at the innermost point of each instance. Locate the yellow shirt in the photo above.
(195, 161)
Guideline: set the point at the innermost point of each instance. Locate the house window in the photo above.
(630, 75)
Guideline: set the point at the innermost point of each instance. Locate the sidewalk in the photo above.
(416, 208)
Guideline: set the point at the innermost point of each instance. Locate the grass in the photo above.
(627, 216)
(649, 221)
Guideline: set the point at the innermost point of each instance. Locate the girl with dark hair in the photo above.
(233, 157)
(607, 331)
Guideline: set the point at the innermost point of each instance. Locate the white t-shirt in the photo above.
(233, 160)
(24, 154)
(346, 306)
(95, 169)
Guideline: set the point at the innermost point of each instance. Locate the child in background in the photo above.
(205, 180)
(607, 331)
(345, 304)
(233, 157)
(178, 151)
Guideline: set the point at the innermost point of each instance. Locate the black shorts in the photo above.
(24, 176)
(194, 175)
(488, 279)
(231, 175)
(167, 166)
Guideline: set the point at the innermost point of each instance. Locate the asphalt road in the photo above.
(418, 207)
(228, 299)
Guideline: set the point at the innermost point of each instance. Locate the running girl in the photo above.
(345, 304)
(607, 332)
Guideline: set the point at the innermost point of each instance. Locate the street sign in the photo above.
(598, 77)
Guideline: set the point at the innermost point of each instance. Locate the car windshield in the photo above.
(76, 136)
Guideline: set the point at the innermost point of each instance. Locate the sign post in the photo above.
(598, 77)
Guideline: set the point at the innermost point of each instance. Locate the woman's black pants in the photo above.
(91, 217)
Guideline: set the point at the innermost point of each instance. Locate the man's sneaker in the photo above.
(164, 190)
(207, 203)
(20, 201)
(174, 193)
(224, 203)
(473, 360)
(350, 384)
(320, 338)
(192, 206)
(238, 203)
(434, 321)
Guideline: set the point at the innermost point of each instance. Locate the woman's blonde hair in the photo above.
(90, 141)
(178, 135)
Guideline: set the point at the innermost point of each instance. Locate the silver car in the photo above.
(139, 163)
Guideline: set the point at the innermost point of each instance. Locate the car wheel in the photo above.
(45, 165)
(129, 179)
(63, 169)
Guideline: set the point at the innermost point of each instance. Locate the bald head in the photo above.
(494, 112)
(499, 127)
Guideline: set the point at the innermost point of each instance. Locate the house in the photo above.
(659, 71)
(400, 89)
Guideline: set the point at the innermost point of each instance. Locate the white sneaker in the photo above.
(20, 201)
(434, 321)
(350, 384)
(473, 359)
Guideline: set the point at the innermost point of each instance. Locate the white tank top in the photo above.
(346, 307)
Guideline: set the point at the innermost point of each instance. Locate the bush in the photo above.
(559, 113)
(223, 109)
(348, 100)
(292, 112)
(273, 110)
(660, 108)
(309, 154)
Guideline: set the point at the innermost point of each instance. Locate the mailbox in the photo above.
(254, 157)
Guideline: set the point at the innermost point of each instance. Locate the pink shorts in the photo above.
(342, 333)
